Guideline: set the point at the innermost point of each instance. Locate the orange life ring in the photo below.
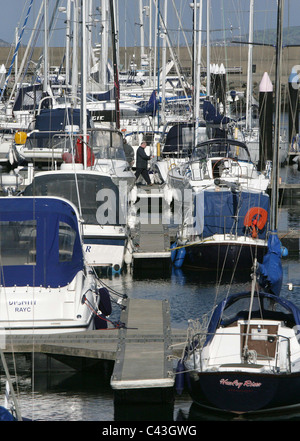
(255, 219)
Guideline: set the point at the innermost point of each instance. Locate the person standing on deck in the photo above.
(142, 163)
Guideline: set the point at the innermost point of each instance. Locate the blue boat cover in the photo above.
(149, 107)
(55, 120)
(40, 243)
(212, 116)
(5, 415)
(224, 211)
(270, 272)
(259, 308)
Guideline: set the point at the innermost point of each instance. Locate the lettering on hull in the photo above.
(239, 384)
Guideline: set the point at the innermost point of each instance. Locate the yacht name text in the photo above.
(239, 384)
(22, 305)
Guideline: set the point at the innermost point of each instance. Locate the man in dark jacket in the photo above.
(142, 163)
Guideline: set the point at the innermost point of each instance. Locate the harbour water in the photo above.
(87, 396)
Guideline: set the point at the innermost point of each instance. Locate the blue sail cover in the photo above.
(220, 212)
(212, 116)
(149, 107)
(39, 242)
(270, 272)
(55, 120)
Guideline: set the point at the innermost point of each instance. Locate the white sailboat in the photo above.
(225, 210)
(219, 162)
(247, 360)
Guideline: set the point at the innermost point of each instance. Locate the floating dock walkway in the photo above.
(143, 362)
(151, 237)
(153, 250)
(142, 351)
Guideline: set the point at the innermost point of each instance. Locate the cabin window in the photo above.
(107, 145)
(66, 242)
(17, 243)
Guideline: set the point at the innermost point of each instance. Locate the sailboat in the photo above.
(248, 359)
(226, 214)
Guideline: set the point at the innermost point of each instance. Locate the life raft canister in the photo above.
(255, 219)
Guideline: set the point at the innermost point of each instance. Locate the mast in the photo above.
(164, 57)
(274, 197)
(116, 75)
(142, 30)
(68, 39)
(198, 75)
(21, 67)
(249, 72)
(75, 51)
(157, 56)
(83, 117)
(45, 83)
(104, 44)
(208, 48)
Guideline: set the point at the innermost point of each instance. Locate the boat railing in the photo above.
(280, 362)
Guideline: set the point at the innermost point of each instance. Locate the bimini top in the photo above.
(40, 243)
(221, 147)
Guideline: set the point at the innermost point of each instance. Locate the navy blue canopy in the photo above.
(40, 243)
(265, 305)
(55, 120)
(220, 212)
